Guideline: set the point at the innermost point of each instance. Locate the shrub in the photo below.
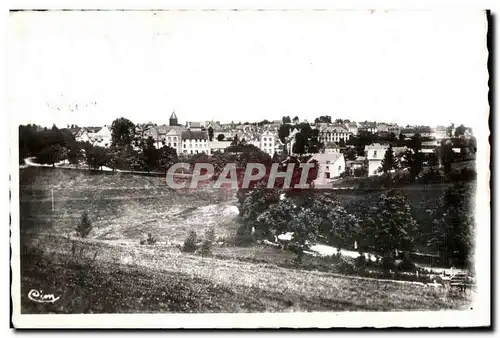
(85, 226)
(344, 266)
(150, 240)
(206, 246)
(244, 236)
(190, 242)
(360, 261)
(406, 265)
(388, 263)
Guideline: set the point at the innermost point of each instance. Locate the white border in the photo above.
(480, 315)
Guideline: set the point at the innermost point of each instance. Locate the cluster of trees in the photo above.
(128, 150)
(386, 228)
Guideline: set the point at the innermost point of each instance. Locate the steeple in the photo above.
(173, 119)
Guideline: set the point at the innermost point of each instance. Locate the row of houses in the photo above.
(193, 138)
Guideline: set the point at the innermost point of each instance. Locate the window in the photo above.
(185, 151)
(169, 144)
(374, 153)
(175, 144)
(184, 145)
(340, 168)
(191, 151)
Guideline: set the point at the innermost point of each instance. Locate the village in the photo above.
(339, 153)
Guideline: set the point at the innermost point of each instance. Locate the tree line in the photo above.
(129, 149)
(386, 228)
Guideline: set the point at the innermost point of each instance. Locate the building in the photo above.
(369, 127)
(195, 126)
(375, 153)
(334, 134)
(219, 146)
(173, 138)
(82, 136)
(331, 148)
(267, 142)
(330, 166)
(102, 138)
(173, 119)
(194, 142)
(352, 128)
(439, 133)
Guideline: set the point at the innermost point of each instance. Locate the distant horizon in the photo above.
(236, 122)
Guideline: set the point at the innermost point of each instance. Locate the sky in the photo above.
(90, 67)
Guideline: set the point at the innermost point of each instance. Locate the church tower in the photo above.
(173, 119)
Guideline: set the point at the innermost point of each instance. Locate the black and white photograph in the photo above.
(244, 168)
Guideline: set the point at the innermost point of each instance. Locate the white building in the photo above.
(194, 142)
(334, 134)
(221, 146)
(173, 138)
(330, 166)
(375, 153)
(267, 142)
(102, 138)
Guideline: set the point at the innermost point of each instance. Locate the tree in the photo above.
(83, 229)
(75, 155)
(235, 142)
(350, 154)
(190, 242)
(210, 133)
(401, 136)
(388, 225)
(460, 130)
(296, 119)
(166, 157)
(304, 225)
(450, 129)
(299, 147)
(150, 154)
(284, 132)
(286, 119)
(447, 156)
(342, 143)
(96, 157)
(453, 225)
(389, 162)
(220, 137)
(433, 160)
(122, 132)
(52, 154)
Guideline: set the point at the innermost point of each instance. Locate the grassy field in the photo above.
(156, 278)
(129, 277)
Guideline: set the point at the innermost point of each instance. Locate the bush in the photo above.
(430, 177)
(150, 240)
(406, 265)
(360, 261)
(206, 246)
(190, 242)
(85, 226)
(344, 266)
(388, 263)
(244, 236)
